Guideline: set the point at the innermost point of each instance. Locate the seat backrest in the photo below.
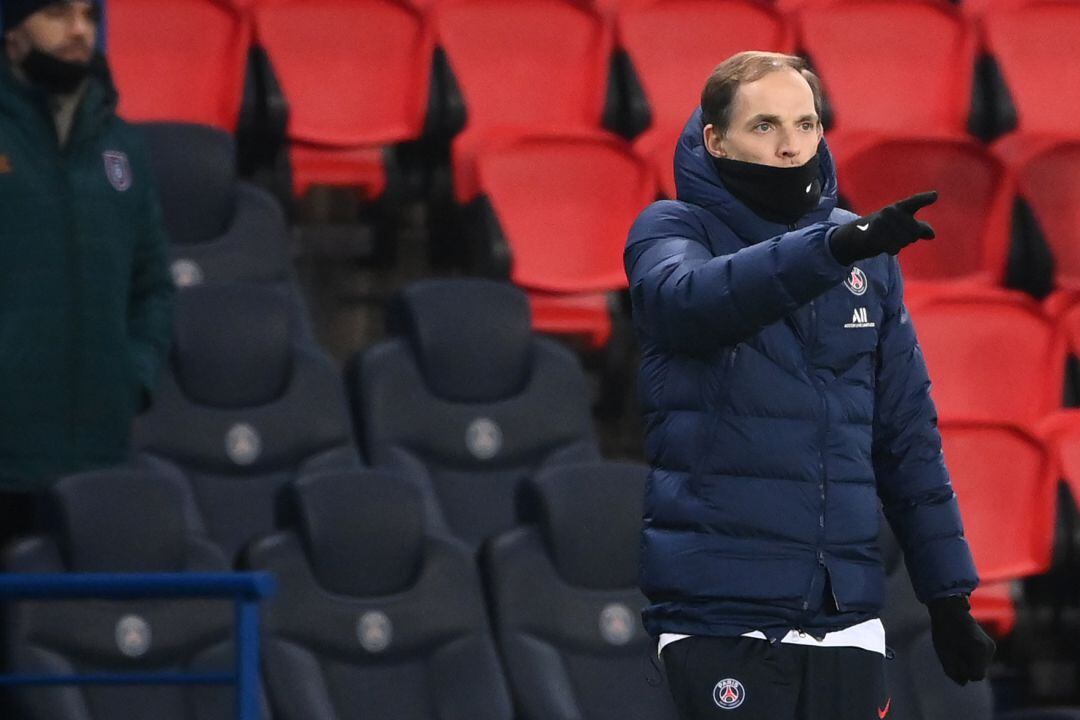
(247, 403)
(120, 520)
(354, 72)
(1051, 186)
(971, 216)
(1026, 41)
(531, 63)
(565, 207)
(877, 79)
(374, 616)
(182, 60)
(674, 45)
(466, 400)
(1008, 516)
(991, 360)
(221, 229)
(566, 602)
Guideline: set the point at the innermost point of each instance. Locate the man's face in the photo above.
(65, 30)
(773, 122)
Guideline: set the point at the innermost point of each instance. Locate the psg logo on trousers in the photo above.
(729, 694)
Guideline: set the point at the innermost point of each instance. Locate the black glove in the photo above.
(964, 649)
(889, 230)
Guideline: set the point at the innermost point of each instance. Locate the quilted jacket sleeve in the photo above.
(912, 481)
(685, 299)
(150, 304)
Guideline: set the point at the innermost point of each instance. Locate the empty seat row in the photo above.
(376, 613)
(545, 65)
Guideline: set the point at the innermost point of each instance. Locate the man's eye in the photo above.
(762, 127)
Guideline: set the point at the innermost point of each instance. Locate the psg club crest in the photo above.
(117, 169)
(729, 694)
(856, 282)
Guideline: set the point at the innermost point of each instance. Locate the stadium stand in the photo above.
(467, 402)
(1030, 43)
(357, 80)
(566, 603)
(1008, 519)
(221, 229)
(525, 67)
(994, 360)
(247, 404)
(376, 617)
(672, 46)
(184, 60)
(120, 521)
(563, 208)
(877, 82)
(1049, 185)
(970, 217)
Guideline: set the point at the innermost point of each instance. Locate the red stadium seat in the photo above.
(523, 67)
(674, 45)
(971, 216)
(878, 81)
(1033, 44)
(182, 60)
(1061, 432)
(565, 207)
(1050, 184)
(1007, 490)
(992, 605)
(991, 360)
(356, 75)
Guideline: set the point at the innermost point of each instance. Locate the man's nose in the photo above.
(786, 147)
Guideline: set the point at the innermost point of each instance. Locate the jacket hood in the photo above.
(697, 182)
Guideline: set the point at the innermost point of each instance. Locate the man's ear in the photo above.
(714, 141)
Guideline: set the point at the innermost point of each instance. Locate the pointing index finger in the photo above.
(915, 203)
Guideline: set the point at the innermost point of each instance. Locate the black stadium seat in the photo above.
(467, 402)
(247, 404)
(121, 520)
(222, 229)
(566, 603)
(375, 618)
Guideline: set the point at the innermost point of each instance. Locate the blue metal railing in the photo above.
(246, 589)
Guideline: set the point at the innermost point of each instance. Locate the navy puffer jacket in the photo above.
(786, 402)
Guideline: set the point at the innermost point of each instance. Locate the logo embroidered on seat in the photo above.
(860, 319)
(882, 712)
(5, 165)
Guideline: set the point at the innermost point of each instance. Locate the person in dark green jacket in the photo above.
(85, 291)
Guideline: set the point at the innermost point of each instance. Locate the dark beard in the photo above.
(55, 76)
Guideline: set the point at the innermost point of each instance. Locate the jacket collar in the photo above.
(697, 182)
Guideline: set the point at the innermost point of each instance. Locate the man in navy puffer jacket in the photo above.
(786, 403)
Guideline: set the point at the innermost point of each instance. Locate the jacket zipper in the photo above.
(823, 439)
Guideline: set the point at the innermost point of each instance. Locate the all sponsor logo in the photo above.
(860, 318)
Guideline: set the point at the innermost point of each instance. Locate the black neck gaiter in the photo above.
(777, 194)
(53, 75)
